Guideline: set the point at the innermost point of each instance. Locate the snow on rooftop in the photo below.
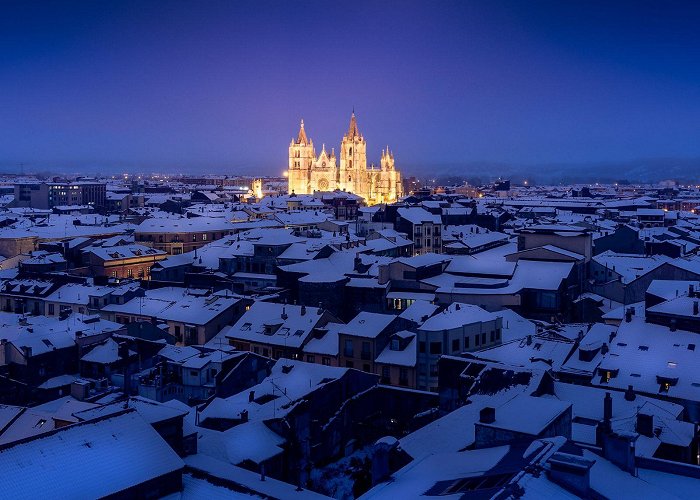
(88, 460)
(455, 316)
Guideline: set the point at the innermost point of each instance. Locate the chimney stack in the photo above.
(629, 394)
(607, 409)
(487, 415)
(696, 308)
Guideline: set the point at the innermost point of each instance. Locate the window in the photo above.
(466, 343)
(366, 350)
(349, 364)
(483, 338)
(51, 309)
(348, 352)
(385, 374)
(194, 373)
(476, 340)
(310, 358)
(493, 336)
(365, 367)
(455, 345)
(421, 347)
(436, 348)
(403, 376)
(326, 361)
(395, 345)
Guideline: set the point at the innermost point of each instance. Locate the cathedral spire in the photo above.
(301, 138)
(353, 131)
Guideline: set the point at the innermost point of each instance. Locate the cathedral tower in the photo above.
(301, 159)
(353, 160)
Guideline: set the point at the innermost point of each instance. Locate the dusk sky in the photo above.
(221, 86)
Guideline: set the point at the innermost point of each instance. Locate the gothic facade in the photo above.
(325, 172)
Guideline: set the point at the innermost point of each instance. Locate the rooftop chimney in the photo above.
(251, 396)
(303, 310)
(629, 394)
(487, 415)
(607, 408)
(629, 312)
(696, 308)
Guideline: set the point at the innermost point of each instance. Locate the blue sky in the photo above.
(221, 86)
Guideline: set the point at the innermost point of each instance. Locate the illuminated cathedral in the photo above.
(308, 172)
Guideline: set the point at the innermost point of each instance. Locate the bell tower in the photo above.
(353, 159)
(301, 159)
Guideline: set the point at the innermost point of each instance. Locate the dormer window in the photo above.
(395, 345)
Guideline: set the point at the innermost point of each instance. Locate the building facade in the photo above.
(42, 195)
(309, 173)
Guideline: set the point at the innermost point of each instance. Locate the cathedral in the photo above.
(309, 173)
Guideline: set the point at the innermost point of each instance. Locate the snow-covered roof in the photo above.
(455, 316)
(105, 353)
(90, 459)
(400, 357)
(278, 324)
